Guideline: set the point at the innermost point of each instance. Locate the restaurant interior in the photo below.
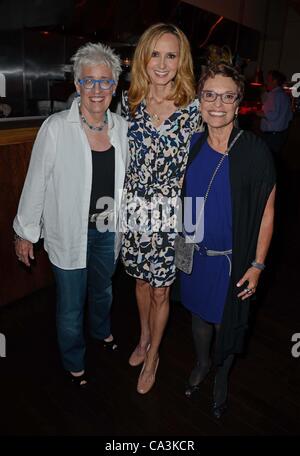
(37, 40)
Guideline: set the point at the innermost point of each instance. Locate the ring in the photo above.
(249, 290)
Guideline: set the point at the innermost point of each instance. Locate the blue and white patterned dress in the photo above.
(158, 158)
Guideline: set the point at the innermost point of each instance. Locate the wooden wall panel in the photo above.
(16, 280)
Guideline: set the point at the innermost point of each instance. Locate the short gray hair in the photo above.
(96, 54)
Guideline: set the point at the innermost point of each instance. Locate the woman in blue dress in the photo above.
(237, 228)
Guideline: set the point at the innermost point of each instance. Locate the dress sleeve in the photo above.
(125, 106)
(195, 117)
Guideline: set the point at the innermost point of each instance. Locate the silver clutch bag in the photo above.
(184, 254)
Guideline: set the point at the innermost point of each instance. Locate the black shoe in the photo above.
(80, 381)
(219, 410)
(191, 389)
(111, 345)
(197, 375)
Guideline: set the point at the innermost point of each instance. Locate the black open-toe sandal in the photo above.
(219, 410)
(191, 389)
(111, 345)
(81, 381)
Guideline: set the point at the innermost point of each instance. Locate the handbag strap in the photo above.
(192, 239)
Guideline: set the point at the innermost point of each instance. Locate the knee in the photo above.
(69, 317)
(69, 326)
(160, 296)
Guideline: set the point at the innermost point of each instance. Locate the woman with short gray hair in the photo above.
(78, 163)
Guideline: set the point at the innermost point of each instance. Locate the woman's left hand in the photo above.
(251, 276)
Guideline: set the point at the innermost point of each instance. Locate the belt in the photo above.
(105, 215)
(213, 253)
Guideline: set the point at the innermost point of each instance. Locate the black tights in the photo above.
(202, 334)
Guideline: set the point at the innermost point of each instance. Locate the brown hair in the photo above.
(228, 71)
(183, 91)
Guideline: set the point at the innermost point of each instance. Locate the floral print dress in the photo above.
(158, 158)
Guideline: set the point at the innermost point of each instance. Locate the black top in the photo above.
(103, 180)
(252, 178)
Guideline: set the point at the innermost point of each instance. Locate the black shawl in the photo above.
(252, 178)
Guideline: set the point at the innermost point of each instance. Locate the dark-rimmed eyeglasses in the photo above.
(226, 97)
(89, 83)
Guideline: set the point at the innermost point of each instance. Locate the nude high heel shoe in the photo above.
(146, 381)
(136, 359)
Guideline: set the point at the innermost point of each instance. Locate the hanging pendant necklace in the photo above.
(92, 127)
(155, 117)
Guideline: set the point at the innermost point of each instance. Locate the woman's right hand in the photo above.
(24, 251)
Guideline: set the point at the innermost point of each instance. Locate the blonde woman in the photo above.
(163, 114)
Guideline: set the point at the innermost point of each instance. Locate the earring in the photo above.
(114, 94)
(235, 120)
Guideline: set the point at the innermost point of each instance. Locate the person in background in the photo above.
(237, 228)
(71, 198)
(5, 109)
(163, 114)
(276, 114)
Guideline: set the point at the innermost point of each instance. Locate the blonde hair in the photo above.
(183, 91)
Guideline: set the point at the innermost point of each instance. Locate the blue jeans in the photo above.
(72, 287)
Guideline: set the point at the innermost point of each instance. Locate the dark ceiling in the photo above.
(116, 19)
(122, 21)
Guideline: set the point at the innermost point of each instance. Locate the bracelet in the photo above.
(260, 266)
(17, 237)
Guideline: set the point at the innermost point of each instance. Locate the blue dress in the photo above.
(204, 291)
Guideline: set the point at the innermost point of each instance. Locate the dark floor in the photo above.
(264, 392)
(265, 382)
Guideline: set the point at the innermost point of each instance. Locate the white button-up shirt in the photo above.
(55, 199)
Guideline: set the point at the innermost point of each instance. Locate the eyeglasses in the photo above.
(88, 83)
(226, 97)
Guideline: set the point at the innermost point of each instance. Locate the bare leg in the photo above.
(159, 312)
(142, 292)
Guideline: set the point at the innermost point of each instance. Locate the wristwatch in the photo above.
(260, 266)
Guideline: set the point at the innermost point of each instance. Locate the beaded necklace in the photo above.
(92, 127)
